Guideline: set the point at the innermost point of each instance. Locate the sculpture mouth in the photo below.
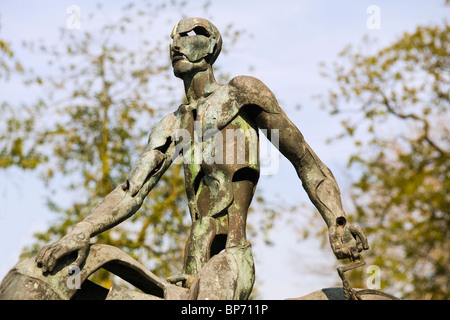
(177, 56)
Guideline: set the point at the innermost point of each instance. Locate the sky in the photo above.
(285, 42)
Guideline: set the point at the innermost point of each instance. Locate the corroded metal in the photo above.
(215, 134)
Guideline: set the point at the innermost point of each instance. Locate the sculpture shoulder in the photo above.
(246, 83)
(248, 90)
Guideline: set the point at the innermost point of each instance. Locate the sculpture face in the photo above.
(196, 44)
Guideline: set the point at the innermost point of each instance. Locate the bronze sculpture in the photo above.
(221, 176)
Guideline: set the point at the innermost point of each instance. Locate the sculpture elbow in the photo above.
(146, 167)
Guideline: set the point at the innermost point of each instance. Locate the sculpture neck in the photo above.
(200, 84)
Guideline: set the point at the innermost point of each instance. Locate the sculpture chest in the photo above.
(222, 141)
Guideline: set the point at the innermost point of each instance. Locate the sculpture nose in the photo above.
(176, 42)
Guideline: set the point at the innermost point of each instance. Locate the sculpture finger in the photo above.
(47, 259)
(341, 251)
(51, 262)
(177, 278)
(355, 255)
(82, 255)
(40, 256)
(358, 233)
(359, 245)
(53, 259)
(339, 255)
(346, 252)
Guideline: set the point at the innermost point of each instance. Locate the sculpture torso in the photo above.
(223, 142)
(224, 149)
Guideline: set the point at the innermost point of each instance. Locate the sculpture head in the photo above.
(196, 44)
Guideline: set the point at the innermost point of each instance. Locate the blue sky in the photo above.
(288, 40)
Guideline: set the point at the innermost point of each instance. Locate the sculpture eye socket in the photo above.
(197, 31)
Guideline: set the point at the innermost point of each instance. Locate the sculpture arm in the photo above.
(121, 203)
(346, 240)
(317, 180)
(126, 199)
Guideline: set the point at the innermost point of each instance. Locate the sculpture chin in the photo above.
(182, 67)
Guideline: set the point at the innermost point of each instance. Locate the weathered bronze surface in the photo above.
(215, 134)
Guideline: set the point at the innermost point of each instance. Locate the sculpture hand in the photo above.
(48, 256)
(347, 241)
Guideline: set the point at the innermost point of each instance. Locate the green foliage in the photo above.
(8, 63)
(395, 106)
(12, 145)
